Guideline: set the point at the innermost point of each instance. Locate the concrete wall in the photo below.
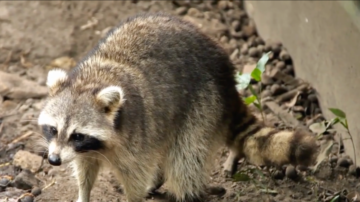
(323, 37)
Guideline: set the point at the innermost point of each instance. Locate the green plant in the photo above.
(244, 82)
(341, 118)
(321, 127)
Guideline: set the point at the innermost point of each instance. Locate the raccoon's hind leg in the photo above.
(230, 165)
(86, 171)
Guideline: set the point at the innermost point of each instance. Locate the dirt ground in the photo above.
(36, 36)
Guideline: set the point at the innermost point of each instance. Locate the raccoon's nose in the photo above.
(54, 159)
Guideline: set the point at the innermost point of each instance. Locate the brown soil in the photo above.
(34, 33)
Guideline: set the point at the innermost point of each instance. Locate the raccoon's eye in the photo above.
(53, 131)
(77, 137)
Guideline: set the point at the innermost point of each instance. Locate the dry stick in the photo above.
(288, 119)
(22, 137)
(288, 95)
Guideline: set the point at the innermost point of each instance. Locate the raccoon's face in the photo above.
(75, 123)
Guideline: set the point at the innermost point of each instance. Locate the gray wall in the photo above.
(323, 38)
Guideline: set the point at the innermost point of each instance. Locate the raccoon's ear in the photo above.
(110, 98)
(55, 78)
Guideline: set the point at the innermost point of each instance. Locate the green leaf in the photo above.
(256, 74)
(338, 112)
(250, 99)
(241, 177)
(243, 81)
(335, 198)
(262, 62)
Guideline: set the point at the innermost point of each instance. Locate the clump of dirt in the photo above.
(37, 36)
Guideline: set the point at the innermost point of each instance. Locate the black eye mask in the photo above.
(84, 143)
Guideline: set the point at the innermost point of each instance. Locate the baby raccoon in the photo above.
(155, 100)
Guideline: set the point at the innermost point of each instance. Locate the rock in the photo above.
(27, 160)
(277, 89)
(278, 175)
(235, 25)
(25, 180)
(344, 162)
(276, 47)
(193, 12)
(15, 87)
(249, 30)
(181, 10)
(27, 197)
(36, 191)
(260, 48)
(284, 55)
(266, 80)
(244, 49)
(291, 172)
(280, 65)
(260, 41)
(289, 70)
(224, 39)
(312, 98)
(253, 52)
(334, 159)
(265, 93)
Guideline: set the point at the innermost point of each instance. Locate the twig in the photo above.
(22, 137)
(49, 185)
(290, 94)
(5, 164)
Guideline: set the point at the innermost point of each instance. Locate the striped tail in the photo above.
(266, 146)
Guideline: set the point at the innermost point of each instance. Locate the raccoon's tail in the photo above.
(266, 146)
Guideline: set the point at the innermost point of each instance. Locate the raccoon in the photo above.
(154, 101)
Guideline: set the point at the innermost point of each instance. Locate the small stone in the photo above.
(195, 13)
(267, 47)
(277, 89)
(344, 162)
(36, 191)
(223, 5)
(333, 159)
(181, 10)
(290, 172)
(265, 93)
(25, 180)
(284, 55)
(244, 49)
(27, 160)
(235, 25)
(289, 70)
(27, 198)
(278, 175)
(280, 65)
(260, 48)
(249, 30)
(312, 98)
(224, 39)
(219, 191)
(276, 47)
(266, 80)
(253, 52)
(259, 41)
